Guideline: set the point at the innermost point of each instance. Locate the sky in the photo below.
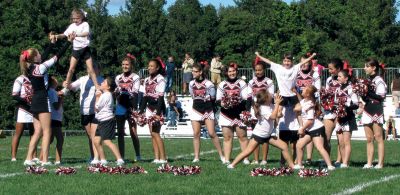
(115, 5)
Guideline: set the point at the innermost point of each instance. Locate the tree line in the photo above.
(351, 30)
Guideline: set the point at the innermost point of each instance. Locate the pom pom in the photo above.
(313, 173)
(327, 99)
(37, 170)
(230, 101)
(65, 171)
(153, 121)
(341, 108)
(245, 116)
(140, 119)
(116, 170)
(179, 171)
(283, 171)
(360, 87)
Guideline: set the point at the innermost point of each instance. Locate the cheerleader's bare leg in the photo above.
(347, 147)
(329, 126)
(72, 65)
(378, 130)
(99, 147)
(369, 134)
(285, 150)
(34, 139)
(211, 131)
(45, 122)
(19, 129)
(228, 139)
(246, 152)
(196, 138)
(242, 135)
(159, 143)
(92, 134)
(319, 144)
(300, 145)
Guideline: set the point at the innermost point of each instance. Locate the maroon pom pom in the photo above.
(313, 173)
(37, 170)
(65, 171)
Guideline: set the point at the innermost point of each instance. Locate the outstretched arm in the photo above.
(263, 58)
(307, 60)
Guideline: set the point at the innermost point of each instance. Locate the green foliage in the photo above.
(351, 30)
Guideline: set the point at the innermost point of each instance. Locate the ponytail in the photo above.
(379, 68)
(27, 56)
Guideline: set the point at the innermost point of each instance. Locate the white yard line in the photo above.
(360, 187)
(201, 153)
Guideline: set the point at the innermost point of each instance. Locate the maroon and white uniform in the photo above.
(203, 95)
(129, 86)
(345, 93)
(255, 85)
(373, 109)
(331, 84)
(231, 116)
(304, 80)
(22, 91)
(154, 90)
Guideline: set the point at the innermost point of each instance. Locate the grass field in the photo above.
(215, 178)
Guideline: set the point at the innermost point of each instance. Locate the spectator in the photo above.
(215, 70)
(173, 109)
(170, 73)
(187, 73)
(395, 87)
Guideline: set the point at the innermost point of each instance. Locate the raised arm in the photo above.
(266, 60)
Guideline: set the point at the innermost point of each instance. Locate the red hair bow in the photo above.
(161, 62)
(25, 54)
(382, 66)
(131, 56)
(233, 65)
(256, 61)
(346, 66)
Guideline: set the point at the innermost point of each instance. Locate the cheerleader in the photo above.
(306, 77)
(335, 65)
(80, 30)
(153, 102)
(372, 117)
(40, 109)
(229, 119)
(22, 94)
(56, 118)
(312, 128)
(259, 82)
(87, 101)
(266, 114)
(346, 119)
(203, 94)
(128, 84)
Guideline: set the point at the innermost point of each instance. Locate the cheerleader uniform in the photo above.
(153, 97)
(127, 93)
(264, 127)
(331, 84)
(255, 85)
(22, 93)
(345, 93)
(105, 116)
(232, 87)
(87, 98)
(203, 95)
(81, 49)
(373, 110)
(308, 113)
(304, 80)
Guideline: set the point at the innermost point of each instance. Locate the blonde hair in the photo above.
(312, 92)
(79, 12)
(27, 56)
(263, 98)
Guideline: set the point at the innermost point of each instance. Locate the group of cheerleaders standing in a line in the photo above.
(294, 110)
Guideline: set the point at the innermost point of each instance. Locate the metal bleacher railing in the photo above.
(248, 74)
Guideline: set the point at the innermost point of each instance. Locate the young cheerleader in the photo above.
(286, 76)
(265, 113)
(312, 128)
(335, 65)
(128, 84)
(306, 77)
(259, 82)
(37, 74)
(105, 131)
(79, 29)
(346, 123)
(22, 93)
(87, 100)
(229, 118)
(372, 117)
(203, 94)
(56, 118)
(153, 102)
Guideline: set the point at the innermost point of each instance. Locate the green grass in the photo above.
(215, 178)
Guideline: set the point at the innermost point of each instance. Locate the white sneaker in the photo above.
(246, 161)
(264, 162)
(36, 160)
(331, 168)
(103, 162)
(222, 158)
(344, 166)
(162, 161)
(378, 166)
(13, 160)
(227, 162)
(196, 160)
(29, 163)
(48, 163)
(57, 163)
(156, 161)
(230, 166)
(94, 162)
(297, 167)
(254, 162)
(367, 166)
(120, 162)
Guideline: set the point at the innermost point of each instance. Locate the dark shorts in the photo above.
(260, 140)
(86, 119)
(287, 101)
(106, 129)
(288, 136)
(82, 54)
(56, 124)
(187, 77)
(316, 133)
